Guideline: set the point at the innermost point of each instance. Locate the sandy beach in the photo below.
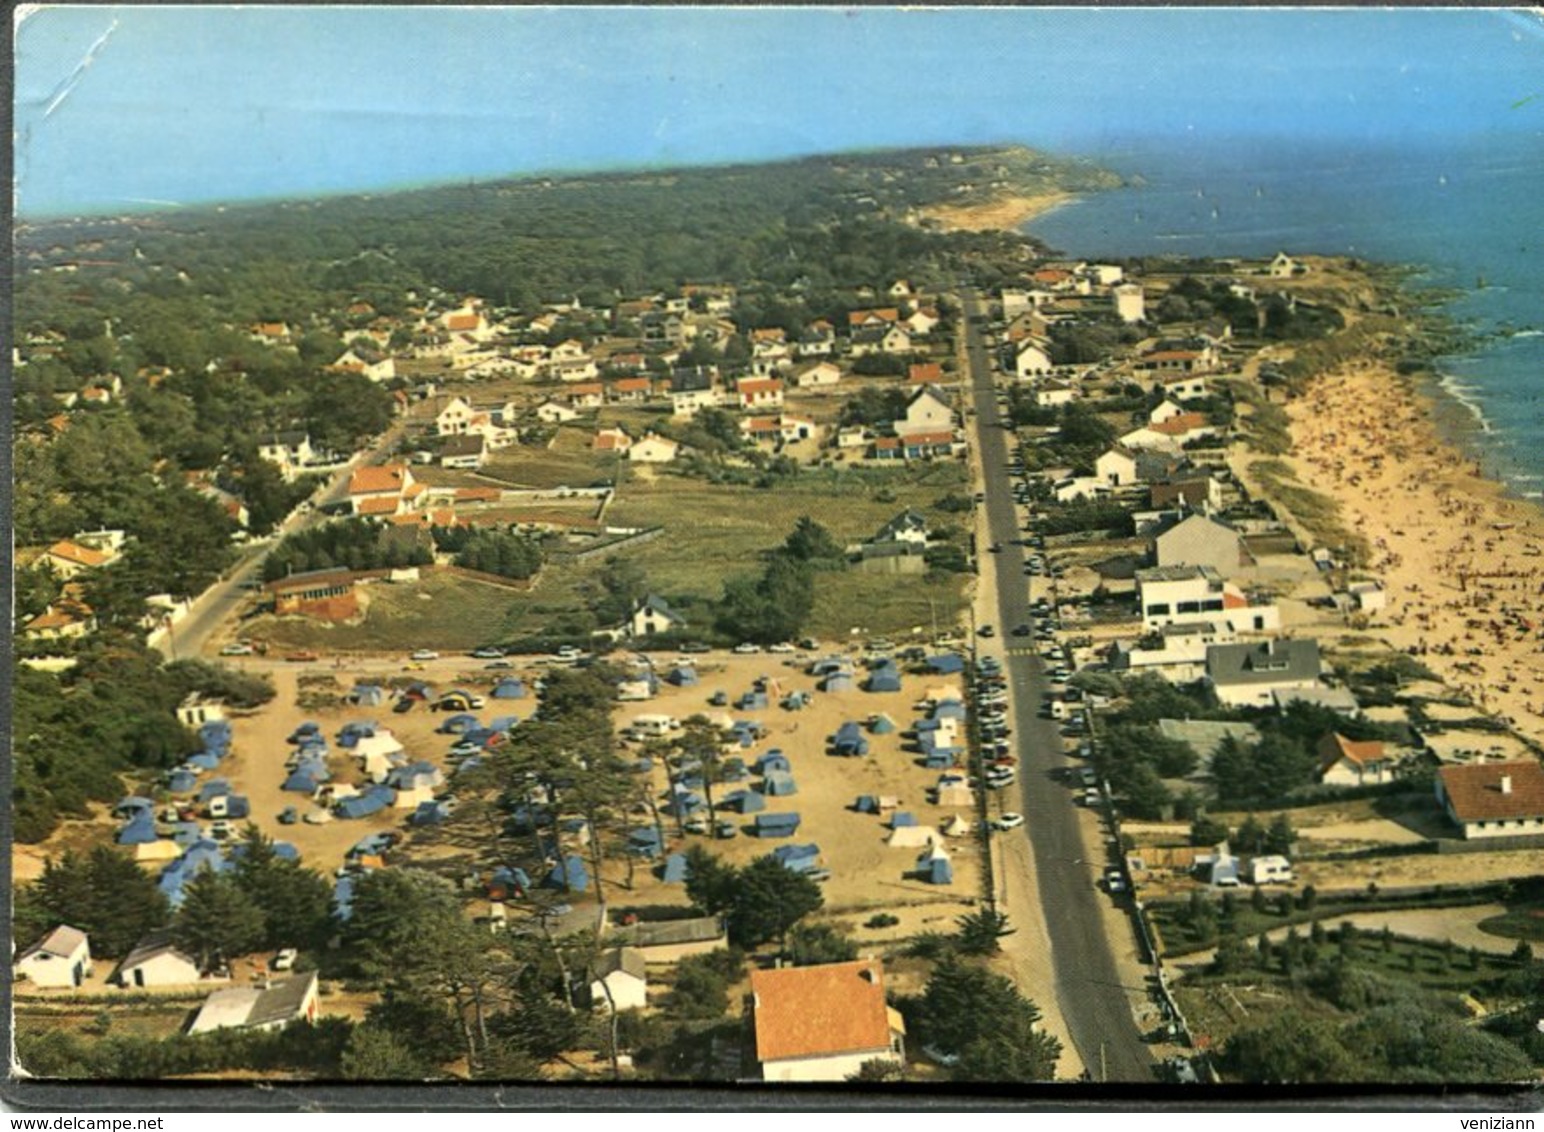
(1004, 213)
(1463, 566)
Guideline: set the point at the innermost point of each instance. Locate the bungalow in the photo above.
(1015, 301)
(62, 958)
(65, 618)
(883, 317)
(587, 395)
(1175, 652)
(1199, 540)
(760, 393)
(817, 375)
(328, 595)
(555, 412)
(1171, 435)
(352, 362)
(653, 449)
(1079, 487)
(618, 981)
(1185, 387)
(68, 558)
(1346, 762)
(155, 962)
(689, 402)
(921, 321)
(928, 411)
(822, 1023)
(1282, 267)
(611, 440)
(1493, 799)
(467, 452)
(817, 341)
(1194, 490)
(781, 429)
(1247, 674)
(868, 340)
(568, 369)
(271, 1006)
(630, 390)
(1052, 393)
(455, 418)
(653, 615)
(916, 446)
(925, 373)
(669, 941)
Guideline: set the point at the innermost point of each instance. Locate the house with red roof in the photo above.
(1349, 762)
(1491, 799)
(822, 1023)
(385, 489)
(760, 393)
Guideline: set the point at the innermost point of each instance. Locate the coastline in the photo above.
(1461, 560)
(1005, 214)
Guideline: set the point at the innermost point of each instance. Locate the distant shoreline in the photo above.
(1003, 214)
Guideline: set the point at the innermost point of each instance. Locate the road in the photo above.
(191, 636)
(1094, 1002)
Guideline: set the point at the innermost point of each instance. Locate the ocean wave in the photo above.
(1460, 393)
(1528, 334)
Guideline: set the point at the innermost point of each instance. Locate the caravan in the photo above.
(652, 727)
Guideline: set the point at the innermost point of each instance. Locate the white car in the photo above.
(239, 648)
(783, 647)
(317, 817)
(1007, 821)
(285, 960)
(424, 654)
(747, 648)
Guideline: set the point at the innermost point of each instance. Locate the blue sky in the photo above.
(117, 107)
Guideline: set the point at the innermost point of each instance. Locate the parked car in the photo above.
(746, 648)
(403, 706)
(725, 829)
(1114, 879)
(782, 646)
(301, 656)
(237, 648)
(424, 654)
(986, 631)
(1010, 820)
(569, 652)
(695, 647)
(285, 959)
(318, 817)
(289, 815)
(487, 653)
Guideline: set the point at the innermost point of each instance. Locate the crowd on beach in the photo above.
(1462, 564)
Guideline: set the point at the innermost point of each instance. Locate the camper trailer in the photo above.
(652, 726)
(1270, 870)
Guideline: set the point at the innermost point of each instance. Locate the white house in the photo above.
(653, 449)
(155, 962)
(817, 375)
(619, 981)
(1130, 305)
(1179, 595)
(1282, 267)
(1247, 675)
(653, 615)
(270, 1006)
(1493, 799)
(555, 412)
(62, 958)
(289, 451)
(1347, 762)
(1079, 487)
(1032, 358)
(1117, 466)
(760, 393)
(822, 1023)
(455, 418)
(928, 411)
(1053, 393)
(1175, 652)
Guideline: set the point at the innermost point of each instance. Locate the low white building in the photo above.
(62, 958)
(822, 1023)
(156, 962)
(1493, 799)
(1177, 595)
(619, 981)
(271, 1006)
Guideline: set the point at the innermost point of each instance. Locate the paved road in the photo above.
(191, 636)
(1096, 1006)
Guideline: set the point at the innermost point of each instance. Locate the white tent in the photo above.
(945, 693)
(157, 850)
(378, 753)
(957, 794)
(913, 836)
(957, 826)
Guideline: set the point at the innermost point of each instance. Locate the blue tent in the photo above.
(504, 723)
(744, 802)
(368, 695)
(778, 784)
(182, 782)
(946, 664)
(352, 733)
(828, 666)
(949, 709)
(938, 760)
(372, 801)
(683, 805)
(675, 870)
(570, 875)
(849, 741)
(509, 688)
(939, 871)
(683, 676)
(772, 760)
(343, 896)
(644, 842)
(132, 805)
(752, 701)
(798, 858)
(776, 825)
(458, 724)
(285, 851)
(186, 833)
(369, 846)
(885, 678)
(307, 730)
(866, 804)
(902, 818)
(215, 735)
(139, 830)
(237, 806)
(882, 725)
(214, 788)
(303, 780)
(429, 813)
(204, 760)
(733, 770)
(841, 681)
(509, 881)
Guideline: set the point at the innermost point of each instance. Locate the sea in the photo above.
(1467, 215)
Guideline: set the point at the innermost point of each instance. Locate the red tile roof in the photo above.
(378, 505)
(461, 322)
(1475, 792)
(753, 385)
(1333, 747)
(926, 372)
(821, 1011)
(374, 480)
(79, 555)
(1181, 424)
